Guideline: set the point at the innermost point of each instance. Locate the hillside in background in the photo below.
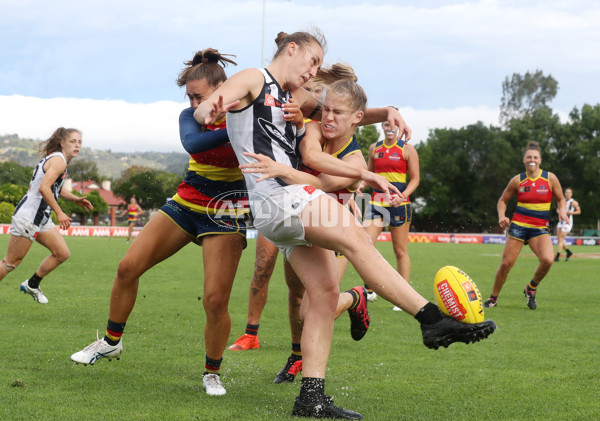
(110, 164)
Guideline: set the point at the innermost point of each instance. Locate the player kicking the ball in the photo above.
(258, 126)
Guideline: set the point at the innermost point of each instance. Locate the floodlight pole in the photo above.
(262, 60)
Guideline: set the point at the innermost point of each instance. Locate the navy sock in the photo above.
(252, 329)
(355, 298)
(34, 281)
(212, 366)
(296, 352)
(114, 331)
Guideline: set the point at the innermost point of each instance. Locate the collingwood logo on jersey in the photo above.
(273, 132)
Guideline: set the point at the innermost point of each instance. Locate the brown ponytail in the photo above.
(207, 64)
(302, 39)
(53, 143)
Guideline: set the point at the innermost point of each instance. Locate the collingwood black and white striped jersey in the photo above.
(260, 128)
(33, 206)
(570, 207)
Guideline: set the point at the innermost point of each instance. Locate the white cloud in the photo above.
(126, 127)
(115, 125)
(441, 61)
(440, 53)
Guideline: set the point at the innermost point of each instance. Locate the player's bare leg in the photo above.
(543, 249)
(266, 257)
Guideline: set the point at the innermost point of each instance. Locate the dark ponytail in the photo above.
(207, 64)
(533, 146)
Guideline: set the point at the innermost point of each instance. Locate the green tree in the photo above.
(70, 208)
(82, 170)
(462, 178)
(6, 211)
(577, 161)
(522, 94)
(13, 173)
(150, 187)
(464, 171)
(12, 193)
(366, 136)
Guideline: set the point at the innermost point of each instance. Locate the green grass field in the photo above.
(538, 365)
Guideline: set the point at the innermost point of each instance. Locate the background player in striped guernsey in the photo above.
(530, 222)
(190, 216)
(564, 228)
(133, 212)
(31, 220)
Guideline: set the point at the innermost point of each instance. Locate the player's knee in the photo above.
(62, 255)
(547, 261)
(326, 297)
(261, 279)
(7, 266)
(215, 304)
(127, 271)
(506, 265)
(354, 242)
(400, 252)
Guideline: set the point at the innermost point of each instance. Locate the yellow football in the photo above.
(457, 295)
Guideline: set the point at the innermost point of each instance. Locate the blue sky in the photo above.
(109, 67)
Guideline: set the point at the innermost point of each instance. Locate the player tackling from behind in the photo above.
(192, 215)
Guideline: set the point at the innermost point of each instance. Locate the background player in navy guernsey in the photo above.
(197, 213)
(294, 217)
(530, 222)
(31, 220)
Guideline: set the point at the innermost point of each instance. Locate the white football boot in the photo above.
(96, 350)
(36, 293)
(212, 384)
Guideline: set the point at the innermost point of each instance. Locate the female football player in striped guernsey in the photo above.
(295, 217)
(266, 253)
(339, 106)
(31, 220)
(266, 257)
(190, 216)
(133, 211)
(535, 189)
(564, 228)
